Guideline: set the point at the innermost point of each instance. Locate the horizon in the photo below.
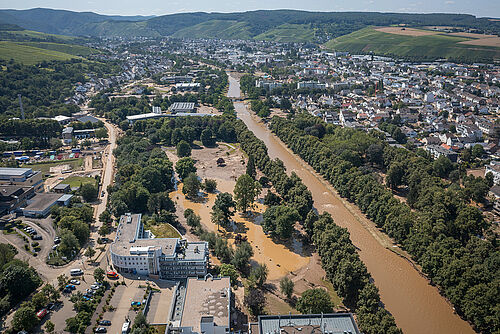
(381, 6)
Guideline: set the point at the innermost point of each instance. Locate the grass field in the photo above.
(77, 181)
(28, 54)
(40, 35)
(288, 33)
(71, 49)
(224, 29)
(164, 231)
(44, 167)
(427, 47)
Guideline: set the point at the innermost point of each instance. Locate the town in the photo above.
(207, 185)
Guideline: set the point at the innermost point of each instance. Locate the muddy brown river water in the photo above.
(416, 305)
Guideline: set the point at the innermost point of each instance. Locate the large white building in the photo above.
(138, 252)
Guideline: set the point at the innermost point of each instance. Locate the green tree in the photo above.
(314, 301)
(442, 166)
(477, 151)
(90, 252)
(184, 167)
(207, 138)
(279, 221)
(251, 167)
(39, 300)
(105, 217)
(242, 255)
(69, 243)
(246, 191)
(49, 326)
(191, 186)
(183, 149)
(394, 177)
(286, 287)
(228, 270)
(223, 209)
(25, 318)
(255, 300)
(101, 133)
(89, 192)
(192, 219)
(19, 280)
(258, 274)
(210, 185)
(62, 280)
(99, 274)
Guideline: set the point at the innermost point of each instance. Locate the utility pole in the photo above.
(21, 105)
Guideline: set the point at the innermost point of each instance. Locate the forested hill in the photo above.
(262, 24)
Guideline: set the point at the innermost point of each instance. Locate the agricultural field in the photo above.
(414, 44)
(30, 55)
(71, 49)
(288, 33)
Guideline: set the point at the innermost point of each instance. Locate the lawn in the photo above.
(44, 167)
(77, 181)
(164, 231)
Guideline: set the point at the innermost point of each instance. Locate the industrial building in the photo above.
(137, 251)
(182, 107)
(332, 323)
(23, 177)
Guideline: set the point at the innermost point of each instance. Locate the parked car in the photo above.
(101, 330)
(135, 304)
(86, 298)
(105, 323)
(36, 237)
(75, 282)
(112, 275)
(42, 313)
(70, 286)
(94, 287)
(89, 291)
(57, 240)
(76, 272)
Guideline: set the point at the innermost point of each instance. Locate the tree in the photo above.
(210, 185)
(251, 167)
(258, 274)
(103, 230)
(286, 287)
(19, 280)
(101, 133)
(99, 274)
(89, 192)
(191, 186)
(228, 270)
(245, 192)
(49, 326)
(469, 222)
(62, 280)
(394, 177)
(374, 154)
(69, 242)
(315, 301)
(477, 151)
(242, 256)
(184, 167)
(39, 300)
(255, 301)
(105, 217)
(279, 221)
(442, 166)
(192, 219)
(223, 209)
(7, 253)
(183, 149)
(207, 138)
(25, 318)
(90, 252)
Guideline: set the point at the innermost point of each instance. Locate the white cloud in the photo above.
(449, 2)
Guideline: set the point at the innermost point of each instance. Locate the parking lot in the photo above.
(121, 300)
(160, 304)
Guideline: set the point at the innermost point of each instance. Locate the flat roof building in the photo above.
(40, 204)
(24, 177)
(332, 323)
(137, 251)
(186, 107)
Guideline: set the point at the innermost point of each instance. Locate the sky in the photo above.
(481, 8)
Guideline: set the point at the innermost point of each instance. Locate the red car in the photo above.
(112, 275)
(42, 313)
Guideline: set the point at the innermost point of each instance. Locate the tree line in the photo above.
(446, 235)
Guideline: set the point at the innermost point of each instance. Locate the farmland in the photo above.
(412, 47)
(30, 55)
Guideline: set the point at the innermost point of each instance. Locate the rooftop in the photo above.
(7, 171)
(206, 297)
(334, 323)
(182, 105)
(42, 201)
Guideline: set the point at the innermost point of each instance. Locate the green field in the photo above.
(224, 29)
(29, 55)
(77, 181)
(428, 47)
(164, 230)
(44, 167)
(286, 33)
(71, 49)
(28, 34)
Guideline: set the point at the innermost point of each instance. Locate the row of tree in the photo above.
(436, 226)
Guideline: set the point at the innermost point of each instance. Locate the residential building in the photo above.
(437, 151)
(67, 135)
(494, 168)
(137, 251)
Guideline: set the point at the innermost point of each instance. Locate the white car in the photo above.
(94, 287)
(75, 282)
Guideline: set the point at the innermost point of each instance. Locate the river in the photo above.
(416, 305)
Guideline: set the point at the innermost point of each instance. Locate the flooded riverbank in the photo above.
(417, 306)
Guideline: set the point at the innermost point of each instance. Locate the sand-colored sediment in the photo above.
(406, 31)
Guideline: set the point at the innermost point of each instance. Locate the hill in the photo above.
(287, 33)
(414, 44)
(261, 24)
(222, 29)
(28, 54)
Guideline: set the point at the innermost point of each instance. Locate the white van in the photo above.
(125, 327)
(76, 272)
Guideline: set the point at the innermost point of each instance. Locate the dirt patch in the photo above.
(406, 31)
(470, 35)
(490, 41)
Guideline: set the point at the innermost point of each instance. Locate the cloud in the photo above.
(449, 2)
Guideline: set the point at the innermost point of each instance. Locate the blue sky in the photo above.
(488, 8)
